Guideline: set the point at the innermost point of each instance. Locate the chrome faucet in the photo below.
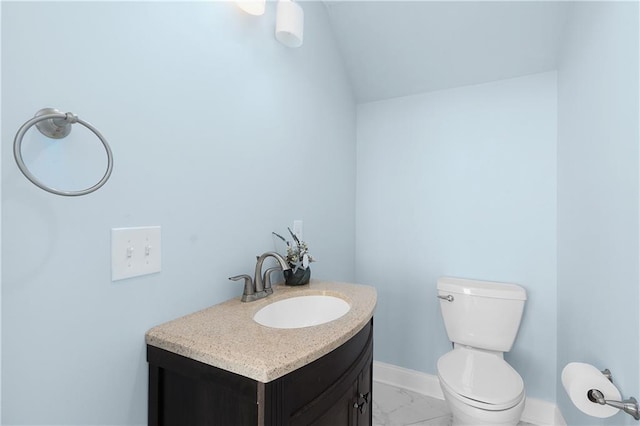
(260, 286)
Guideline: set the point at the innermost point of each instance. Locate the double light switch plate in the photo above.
(135, 251)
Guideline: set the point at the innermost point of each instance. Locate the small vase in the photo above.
(299, 277)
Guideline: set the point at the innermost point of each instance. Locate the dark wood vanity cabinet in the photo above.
(335, 390)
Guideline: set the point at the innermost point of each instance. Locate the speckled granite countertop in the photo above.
(227, 337)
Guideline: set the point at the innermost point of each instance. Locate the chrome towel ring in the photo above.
(57, 125)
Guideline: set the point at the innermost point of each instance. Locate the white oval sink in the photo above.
(302, 311)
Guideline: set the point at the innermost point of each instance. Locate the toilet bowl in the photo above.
(480, 388)
(482, 319)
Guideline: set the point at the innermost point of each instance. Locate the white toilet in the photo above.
(482, 320)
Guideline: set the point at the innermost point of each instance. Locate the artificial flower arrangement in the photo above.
(298, 258)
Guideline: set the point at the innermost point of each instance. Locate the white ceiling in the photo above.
(397, 48)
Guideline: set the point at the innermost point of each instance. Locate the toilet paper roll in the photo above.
(578, 379)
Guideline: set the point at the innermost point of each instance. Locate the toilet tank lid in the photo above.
(492, 289)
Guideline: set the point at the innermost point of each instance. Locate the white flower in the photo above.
(298, 256)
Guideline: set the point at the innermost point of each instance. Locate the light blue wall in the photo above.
(220, 135)
(598, 197)
(460, 182)
(0, 221)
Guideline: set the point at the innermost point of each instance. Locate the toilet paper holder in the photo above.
(629, 406)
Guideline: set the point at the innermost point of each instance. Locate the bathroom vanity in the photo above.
(219, 367)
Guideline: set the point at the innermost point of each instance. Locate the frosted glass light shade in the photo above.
(252, 7)
(290, 23)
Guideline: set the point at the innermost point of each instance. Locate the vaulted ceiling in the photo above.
(398, 48)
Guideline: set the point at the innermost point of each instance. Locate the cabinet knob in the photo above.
(360, 405)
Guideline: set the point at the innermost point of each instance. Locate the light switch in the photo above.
(135, 251)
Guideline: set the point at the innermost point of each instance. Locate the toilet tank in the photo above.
(481, 314)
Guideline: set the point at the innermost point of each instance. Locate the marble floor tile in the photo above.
(393, 406)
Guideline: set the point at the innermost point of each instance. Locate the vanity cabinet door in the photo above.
(342, 413)
(342, 392)
(353, 407)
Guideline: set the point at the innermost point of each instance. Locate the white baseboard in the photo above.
(543, 413)
(536, 411)
(416, 381)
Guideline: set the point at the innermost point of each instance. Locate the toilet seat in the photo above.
(480, 379)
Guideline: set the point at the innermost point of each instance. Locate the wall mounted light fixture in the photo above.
(289, 23)
(252, 7)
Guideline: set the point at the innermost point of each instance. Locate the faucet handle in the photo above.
(267, 279)
(249, 294)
